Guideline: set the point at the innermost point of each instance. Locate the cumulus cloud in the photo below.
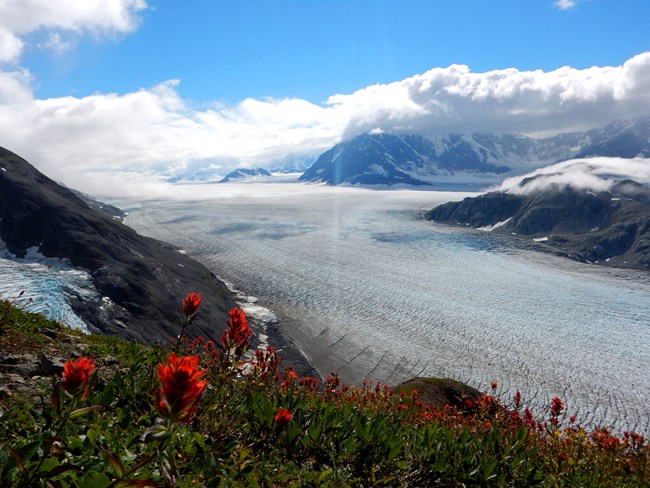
(564, 4)
(156, 133)
(78, 140)
(531, 102)
(594, 174)
(62, 18)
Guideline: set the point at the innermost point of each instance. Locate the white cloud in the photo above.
(595, 174)
(565, 4)
(508, 100)
(155, 132)
(15, 88)
(77, 139)
(62, 19)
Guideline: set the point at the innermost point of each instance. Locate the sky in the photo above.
(109, 95)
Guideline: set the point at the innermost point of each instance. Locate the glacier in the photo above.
(50, 283)
(370, 290)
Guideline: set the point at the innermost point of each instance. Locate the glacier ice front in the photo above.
(49, 282)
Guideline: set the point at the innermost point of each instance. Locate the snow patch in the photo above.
(261, 316)
(540, 239)
(490, 228)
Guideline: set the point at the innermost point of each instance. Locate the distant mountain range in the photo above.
(244, 173)
(410, 159)
(140, 281)
(607, 227)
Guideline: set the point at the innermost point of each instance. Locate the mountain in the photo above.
(393, 159)
(140, 280)
(610, 227)
(626, 139)
(243, 173)
(296, 164)
(110, 210)
(389, 159)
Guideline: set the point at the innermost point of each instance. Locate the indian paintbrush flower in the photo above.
(191, 304)
(282, 417)
(182, 388)
(238, 333)
(76, 376)
(556, 408)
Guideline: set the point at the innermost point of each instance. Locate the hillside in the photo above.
(608, 227)
(96, 411)
(136, 277)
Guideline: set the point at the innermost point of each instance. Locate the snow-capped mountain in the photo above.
(244, 173)
(392, 159)
(297, 164)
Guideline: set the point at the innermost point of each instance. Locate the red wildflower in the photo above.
(282, 417)
(556, 407)
(493, 385)
(517, 399)
(181, 388)
(237, 334)
(76, 376)
(191, 304)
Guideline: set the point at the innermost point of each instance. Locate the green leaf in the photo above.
(324, 475)
(26, 452)
(94, 479)
(394, 451)
(115, 461)
(128, 483)
(252, 481)
(83, 411)
(315, 431)
(49, 463)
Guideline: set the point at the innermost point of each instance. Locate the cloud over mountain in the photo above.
(456, 99)
(154, 133)
(594, 174)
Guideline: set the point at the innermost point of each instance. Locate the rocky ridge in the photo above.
(138, 279)
(608, 227)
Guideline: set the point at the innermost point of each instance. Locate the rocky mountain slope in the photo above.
(244, 173)
(610, 227)
(137, 278)
(398, 159)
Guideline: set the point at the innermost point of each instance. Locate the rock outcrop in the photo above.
(139, 280)
(609, 227)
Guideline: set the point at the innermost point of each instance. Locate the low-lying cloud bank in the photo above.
(108, 140)
(594, 174)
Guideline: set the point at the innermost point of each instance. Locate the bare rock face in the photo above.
(438, 392)
(610, 227)
(140, 280)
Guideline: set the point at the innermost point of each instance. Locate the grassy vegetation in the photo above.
(253, 423)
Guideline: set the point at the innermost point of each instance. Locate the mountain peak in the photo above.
(380, 158)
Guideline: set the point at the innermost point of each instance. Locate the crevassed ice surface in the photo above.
(370, 290)
(49, 282)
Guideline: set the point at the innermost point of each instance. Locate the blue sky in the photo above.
(230, 50)
(115, 94)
